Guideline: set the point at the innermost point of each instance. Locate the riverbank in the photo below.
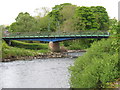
(28, 51)
(43, 56)
(22, 50)
(99, 67)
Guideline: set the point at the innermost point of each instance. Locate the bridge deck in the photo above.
(55, 36)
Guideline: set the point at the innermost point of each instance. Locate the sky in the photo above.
(9, 9)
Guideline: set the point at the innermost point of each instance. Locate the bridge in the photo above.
(54, 37)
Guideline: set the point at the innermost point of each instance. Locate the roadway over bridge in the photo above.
(54, 37)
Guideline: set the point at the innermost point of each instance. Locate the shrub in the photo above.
(78, 44)
(97, 66)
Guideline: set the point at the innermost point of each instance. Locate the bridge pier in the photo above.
(8, 42)
(54, 46)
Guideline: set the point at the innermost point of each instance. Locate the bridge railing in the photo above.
(85, 32)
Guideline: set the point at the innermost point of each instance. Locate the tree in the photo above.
(91, 18)
(24, 23)
(41, 12)
(118, 29)
(113, 26)
(102, 17)
(43, 23)
(67, 13)
(56, 16)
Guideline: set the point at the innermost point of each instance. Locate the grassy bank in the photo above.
(32, 46)
(97, 67)
(22, 49)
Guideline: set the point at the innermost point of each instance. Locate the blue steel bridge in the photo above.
(55, 36)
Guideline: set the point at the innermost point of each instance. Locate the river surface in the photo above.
(37, 73)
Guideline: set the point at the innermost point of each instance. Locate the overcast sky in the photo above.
(9, 9)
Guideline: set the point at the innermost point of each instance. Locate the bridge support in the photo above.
(54, 46)
(8, 42)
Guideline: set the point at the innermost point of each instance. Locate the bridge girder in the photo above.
(54, 39)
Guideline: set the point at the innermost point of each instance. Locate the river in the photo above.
(37, 73)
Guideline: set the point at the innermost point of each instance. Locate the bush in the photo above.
(97, 66)
(78, 44)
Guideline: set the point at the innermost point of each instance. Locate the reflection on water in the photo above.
(39, 73)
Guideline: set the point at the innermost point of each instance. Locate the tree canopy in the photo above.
(91, 18)
(63, 17)
(24, 23)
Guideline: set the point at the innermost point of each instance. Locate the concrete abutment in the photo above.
(54, 46)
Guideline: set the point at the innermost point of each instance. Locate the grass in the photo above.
(32, 46)
(21, 49)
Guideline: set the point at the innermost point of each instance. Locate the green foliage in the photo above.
(113, 26)
(91, 18)
(67, 25)
(32, 46)
(24, 49)
(58, 15)
(67, 13)
(8, 51)
(24, 23)
(4, 45)
(118, 28)
(97, 66)
(55, 18)
(43, 23)
(2, 28)
(43, 51)
(63, 17)
(78, 44)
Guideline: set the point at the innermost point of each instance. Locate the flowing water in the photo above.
(37, 73)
